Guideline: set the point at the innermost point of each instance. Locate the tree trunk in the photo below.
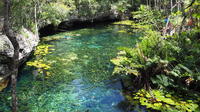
(13, 63)
(150, 3)
(35, 19)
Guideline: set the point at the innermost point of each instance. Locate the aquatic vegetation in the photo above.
(125, 22)
(42, 50)
(52, 38)
(80, 74)
(68, 35)
(39, 63)
(165, 102)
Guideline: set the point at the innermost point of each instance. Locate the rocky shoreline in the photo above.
(27, 41)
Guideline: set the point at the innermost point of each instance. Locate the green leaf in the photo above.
(185, 68)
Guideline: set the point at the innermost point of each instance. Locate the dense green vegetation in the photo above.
(163, 65)
(43, 12)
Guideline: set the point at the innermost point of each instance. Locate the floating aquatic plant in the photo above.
(39, 63)
(165, 102)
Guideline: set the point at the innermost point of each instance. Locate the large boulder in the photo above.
(27, 43)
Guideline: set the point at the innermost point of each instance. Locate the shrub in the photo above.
(170, 63)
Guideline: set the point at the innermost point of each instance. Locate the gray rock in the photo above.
(6, 47)
(27, 43)
(3, 69)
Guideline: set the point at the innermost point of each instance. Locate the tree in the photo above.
(14, 61)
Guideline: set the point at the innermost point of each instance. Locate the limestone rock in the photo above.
(27, 42)
(6, 47)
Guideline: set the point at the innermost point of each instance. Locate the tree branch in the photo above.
(185, 16)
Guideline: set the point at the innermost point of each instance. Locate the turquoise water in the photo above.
(81, 79)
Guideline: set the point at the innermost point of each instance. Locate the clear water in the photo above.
(81, 80)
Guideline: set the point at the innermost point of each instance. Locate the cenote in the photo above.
(81, 79)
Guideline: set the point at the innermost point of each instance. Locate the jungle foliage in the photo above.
(44, 12)
(163, 65)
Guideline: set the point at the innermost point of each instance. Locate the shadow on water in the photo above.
(81, 79)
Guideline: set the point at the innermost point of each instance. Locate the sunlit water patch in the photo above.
(81, 78)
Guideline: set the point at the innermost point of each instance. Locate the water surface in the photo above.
(82, 79)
